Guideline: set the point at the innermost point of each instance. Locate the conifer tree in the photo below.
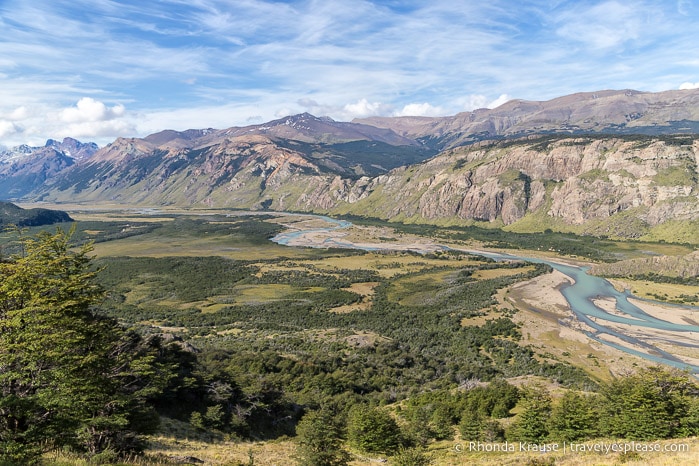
(652, 404)
(319, 441)
(373, 430)
(531, 424)
(67, 376)
(574, 418)
(471, 425)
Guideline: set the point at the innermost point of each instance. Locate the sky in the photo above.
(96, 70)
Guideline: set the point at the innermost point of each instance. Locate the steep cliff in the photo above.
(616, 186)
(627, 186)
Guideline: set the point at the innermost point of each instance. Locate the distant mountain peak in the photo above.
(624, 111)
(172, 138)
(72, 147)
(24, 167)
(301, 119)
(306, 127)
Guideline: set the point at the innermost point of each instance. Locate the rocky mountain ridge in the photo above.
(601, 112)
(612, 186)
(24, 168)
(576, 169)
(68, 146)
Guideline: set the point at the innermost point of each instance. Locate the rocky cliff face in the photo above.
(613, 186)
(616, 186)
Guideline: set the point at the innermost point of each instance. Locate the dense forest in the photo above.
(346, 351)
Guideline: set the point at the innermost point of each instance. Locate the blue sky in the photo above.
(99, 69)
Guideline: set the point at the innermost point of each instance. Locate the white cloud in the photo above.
(20, 113)
(476, 101)
(282, 112)
(98, 129)
(8, 128)
(364, 108)
(603, 26)
(89, 120)
(688, 85)
(91, 110)
(423, 109)
(473, 102)
(318, 109)
(499, 101)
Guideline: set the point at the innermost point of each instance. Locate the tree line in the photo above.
(649, 405)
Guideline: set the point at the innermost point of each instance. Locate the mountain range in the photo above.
(615, 163)
(25, 168)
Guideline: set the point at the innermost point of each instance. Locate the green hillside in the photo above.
(11, 214)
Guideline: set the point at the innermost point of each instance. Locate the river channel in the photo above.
(627, 328)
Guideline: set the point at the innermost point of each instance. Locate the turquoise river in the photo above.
(580, 294)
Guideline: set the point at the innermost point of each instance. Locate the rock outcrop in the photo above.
(616, 186)
(569, 181)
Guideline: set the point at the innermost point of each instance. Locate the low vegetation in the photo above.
(100, 357)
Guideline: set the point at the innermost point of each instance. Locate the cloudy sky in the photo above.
(99, 69)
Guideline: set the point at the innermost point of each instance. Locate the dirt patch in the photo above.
(364, 339)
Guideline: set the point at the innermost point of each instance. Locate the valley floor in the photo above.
(545, 319)
(548, 323)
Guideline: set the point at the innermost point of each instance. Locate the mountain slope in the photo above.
(601, 112)
(220, 169)
(24, 168)
(234, 166)
(625, 185)
(622, 186)
(615, 186)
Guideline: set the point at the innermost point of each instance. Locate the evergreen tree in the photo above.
(67, 376)
(531, 423)
(689, 424)
(418, 430)
(319, 441)
(373, 430)
(442, 424)
(471, 425)
(655, 403)
(574, 418)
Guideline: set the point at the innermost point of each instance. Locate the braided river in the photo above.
(623, 325)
